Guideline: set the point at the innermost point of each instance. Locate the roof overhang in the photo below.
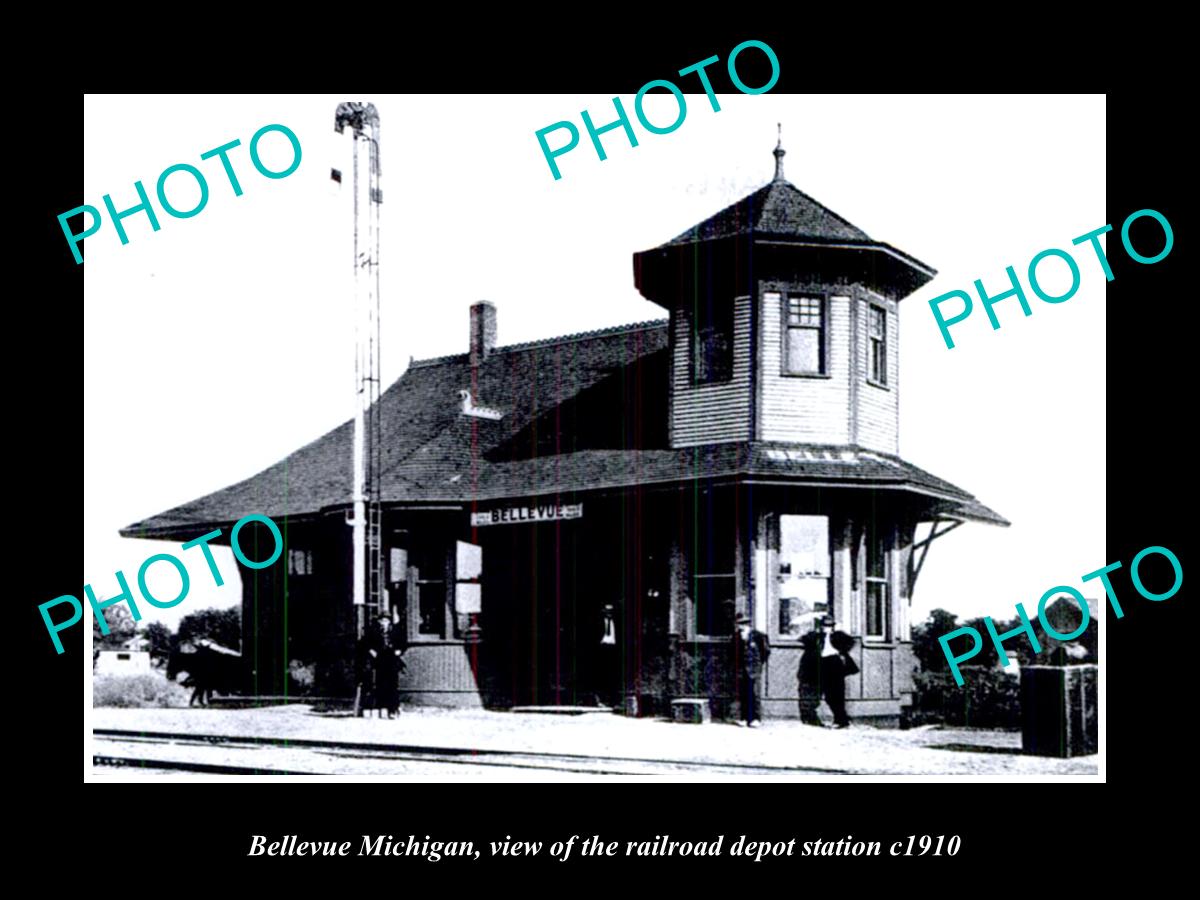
(904, 270)
(672, 274)
(945, 506)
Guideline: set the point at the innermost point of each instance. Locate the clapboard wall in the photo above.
(878, 406)
(761, 401)
(809, 409)
(710, 413)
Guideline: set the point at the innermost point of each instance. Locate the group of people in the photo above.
(379, 662)
(824, 665)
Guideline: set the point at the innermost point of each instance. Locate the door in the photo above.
(531, 625)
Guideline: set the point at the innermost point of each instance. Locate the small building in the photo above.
(122, 662)
(738, 455)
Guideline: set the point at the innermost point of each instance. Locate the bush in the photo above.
(988, 699)
(137, 691)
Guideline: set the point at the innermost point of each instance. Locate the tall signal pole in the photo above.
(363, 122)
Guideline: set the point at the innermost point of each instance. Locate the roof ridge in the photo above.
(434, 360)
(630, 327)
(645, 325)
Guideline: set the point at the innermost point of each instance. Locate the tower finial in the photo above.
(779, 153)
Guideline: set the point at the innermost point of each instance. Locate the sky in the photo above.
(220, 343)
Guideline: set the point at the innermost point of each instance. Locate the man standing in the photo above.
(827, 656)
(387, 663)
(607, 664)
(750, 651)
(808, 676)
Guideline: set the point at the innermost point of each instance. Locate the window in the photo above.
(877, 336)
(712, 344)
(877, 571)
(804, 570)
(468, 591)
(427, 566)
(804, 335)
(299, 562)
(397, 587)
(397, 565)
(714, 570)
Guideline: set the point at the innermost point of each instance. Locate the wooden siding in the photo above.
(798, 408)
(710, 413)
(439, 675)
(842, 407)
(878, 407)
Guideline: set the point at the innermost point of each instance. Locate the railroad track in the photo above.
(126, 762)
(317, 757)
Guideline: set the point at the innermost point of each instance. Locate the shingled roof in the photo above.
(568, 423)
(779, 218)
(778, 209)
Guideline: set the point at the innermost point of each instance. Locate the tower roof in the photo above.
(777, 209)
(790, 229)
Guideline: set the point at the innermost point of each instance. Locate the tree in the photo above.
(928, 649)
(987, 657)
(159, 636)
(121, 628)
(925, 639)
(224, 626)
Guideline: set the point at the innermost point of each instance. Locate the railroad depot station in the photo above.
(560, 516)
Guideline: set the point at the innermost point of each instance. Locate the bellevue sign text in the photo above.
(543, 513)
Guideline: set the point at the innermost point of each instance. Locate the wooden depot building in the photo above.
(739, 455)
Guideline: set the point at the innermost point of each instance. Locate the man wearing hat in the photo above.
(750, 651)
(823, 669)
(607, 663)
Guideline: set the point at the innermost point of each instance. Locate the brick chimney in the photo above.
(483, 331)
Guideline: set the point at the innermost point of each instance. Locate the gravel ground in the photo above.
(787, 745)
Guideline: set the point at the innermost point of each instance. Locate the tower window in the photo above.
(877, 340)
(804, 335)
(712, 344)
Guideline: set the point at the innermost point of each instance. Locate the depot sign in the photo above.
(543, 513)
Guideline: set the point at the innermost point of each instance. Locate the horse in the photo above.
(210, 667)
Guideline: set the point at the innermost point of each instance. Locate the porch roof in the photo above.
(277, 492)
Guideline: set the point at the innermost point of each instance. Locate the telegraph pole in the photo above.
(363, 123)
